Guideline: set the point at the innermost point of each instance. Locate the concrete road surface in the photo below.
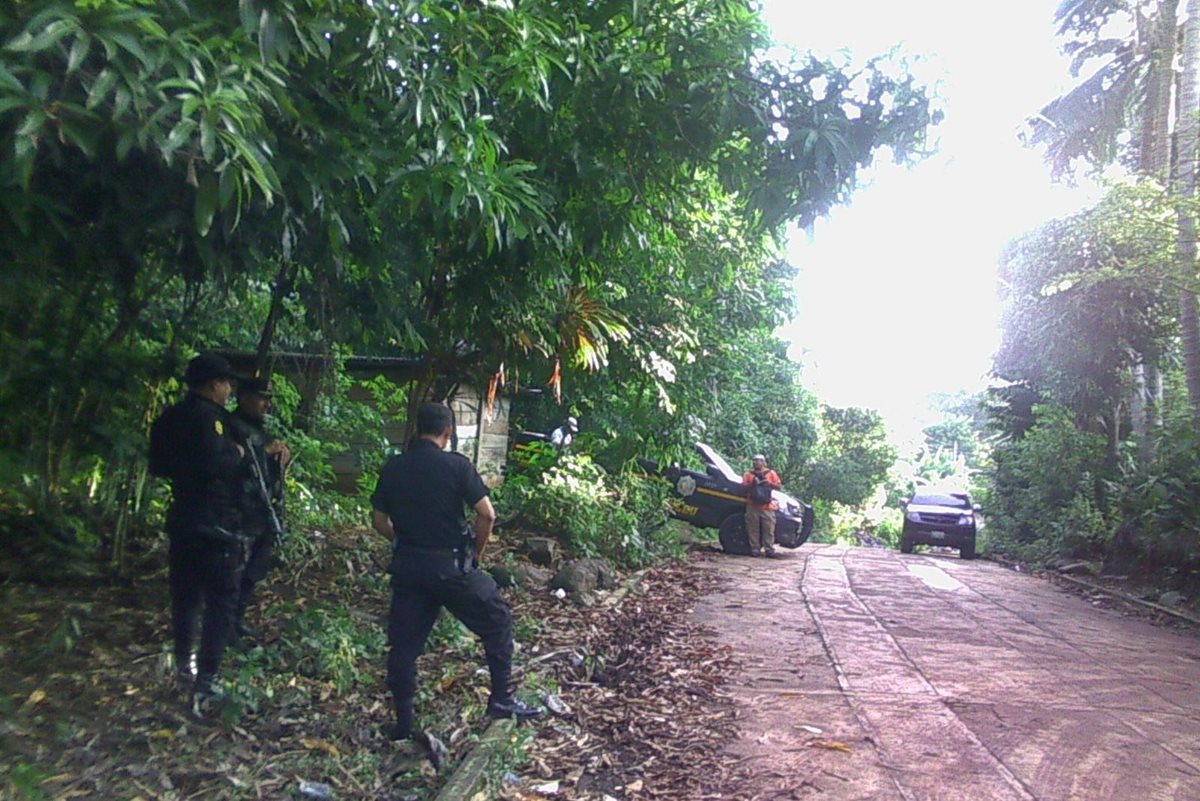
(872, 675)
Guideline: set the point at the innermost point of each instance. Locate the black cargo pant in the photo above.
(205, 580)
(423, 582)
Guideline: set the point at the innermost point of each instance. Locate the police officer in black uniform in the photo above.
(272, 456)
(418, 504)
(193, 444)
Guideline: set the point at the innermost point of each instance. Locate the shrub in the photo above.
(620, 517)
(330, 644)
(889, 527)
(1157, 506)
(1044, 494)
(1083, 528)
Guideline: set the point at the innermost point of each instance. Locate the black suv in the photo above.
(939, 518)
(714, 499)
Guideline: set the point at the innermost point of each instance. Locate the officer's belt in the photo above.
(428, 550)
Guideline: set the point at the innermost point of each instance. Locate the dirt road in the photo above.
(871, 675)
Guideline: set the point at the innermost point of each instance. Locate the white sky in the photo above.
(897, 292)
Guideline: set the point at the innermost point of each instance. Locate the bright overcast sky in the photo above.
(897, 291)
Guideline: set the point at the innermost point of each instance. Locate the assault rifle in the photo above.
(273, 521)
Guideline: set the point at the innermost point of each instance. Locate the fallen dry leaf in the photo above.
(830, 745)
(35, 698)
(313, 744)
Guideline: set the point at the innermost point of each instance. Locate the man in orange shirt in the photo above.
(760, 507)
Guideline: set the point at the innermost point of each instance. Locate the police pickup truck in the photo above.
(714, 498)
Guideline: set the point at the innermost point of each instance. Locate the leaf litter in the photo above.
(636, 692)
(651, 716)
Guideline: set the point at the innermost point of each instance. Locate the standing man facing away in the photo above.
(760, 507)
(418, 504)
(272, 456)
(193, 444)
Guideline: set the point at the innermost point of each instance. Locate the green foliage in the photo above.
(1090, 307)
(760, 406)
(837, 523)
(889, 527)
(1090, 297)
(25, 781)
(530, 460)
(333, 645)
(1083, 528)
(336, 177)
(66, 634)
(852, 459)
(449, 633)
(823, 520)
(954, 452)
(509, 755)
(1156, 503)
(620, 517)
(250, 685)
(1043, 496)
(350, 415)
(1083, 295)
(525, 628)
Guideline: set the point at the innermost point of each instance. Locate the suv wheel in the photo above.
(733, 535)
(968, 550)
(906, 545)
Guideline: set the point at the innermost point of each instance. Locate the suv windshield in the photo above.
(955, 501)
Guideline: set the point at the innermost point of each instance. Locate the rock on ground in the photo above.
(582, 577)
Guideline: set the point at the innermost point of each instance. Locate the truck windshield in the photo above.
(954, 501)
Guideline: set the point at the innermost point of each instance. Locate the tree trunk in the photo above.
(1138, 412)
(1154, 161)
(1154, 397)
(284, 281)
(418, 393)
(1112, 425)
(1155, 156)
(1185, 189)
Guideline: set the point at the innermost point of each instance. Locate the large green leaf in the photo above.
(206, 203)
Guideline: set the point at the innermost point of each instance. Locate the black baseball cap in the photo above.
(207, 367)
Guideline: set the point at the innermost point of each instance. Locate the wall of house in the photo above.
(482, 439)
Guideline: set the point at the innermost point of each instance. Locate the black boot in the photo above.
(205, 694)
(402, 729)
(396, 732)
(511, 707)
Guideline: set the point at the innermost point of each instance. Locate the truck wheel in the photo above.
(906, 545)
(967, 551)
(733, 535)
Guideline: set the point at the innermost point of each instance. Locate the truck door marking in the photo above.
(717, 494)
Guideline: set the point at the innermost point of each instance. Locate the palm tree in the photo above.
(1130, 92)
